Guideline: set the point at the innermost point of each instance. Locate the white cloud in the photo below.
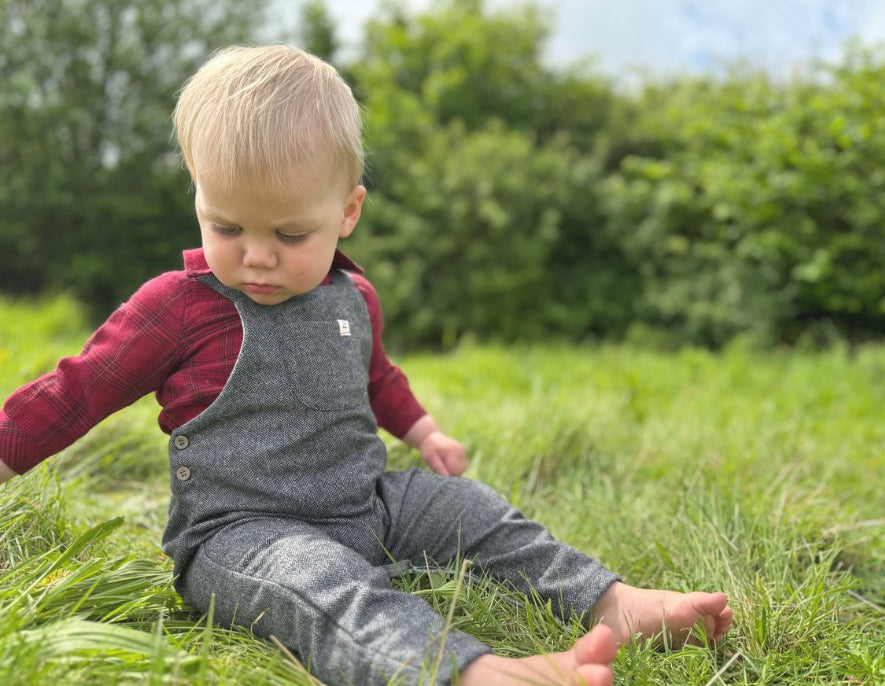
(662, 36)
(703, 35)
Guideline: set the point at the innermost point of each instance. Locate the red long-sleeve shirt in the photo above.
(178, 338)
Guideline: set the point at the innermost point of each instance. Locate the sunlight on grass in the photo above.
(759, 474)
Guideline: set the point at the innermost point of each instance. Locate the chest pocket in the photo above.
(326, 366)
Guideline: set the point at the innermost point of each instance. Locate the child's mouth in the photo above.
(260, 288)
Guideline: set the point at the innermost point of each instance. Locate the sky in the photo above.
(654, 37)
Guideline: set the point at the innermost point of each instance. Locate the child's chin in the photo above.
(275, 298)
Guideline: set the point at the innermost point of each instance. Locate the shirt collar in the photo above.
(195, 264)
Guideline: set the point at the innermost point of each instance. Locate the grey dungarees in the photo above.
(282, 511)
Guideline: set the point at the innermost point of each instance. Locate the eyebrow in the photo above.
(211, 214)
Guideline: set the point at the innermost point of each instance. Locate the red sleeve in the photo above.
(393, 403)
(127, 357)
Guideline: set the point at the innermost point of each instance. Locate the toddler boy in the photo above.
(265, 354)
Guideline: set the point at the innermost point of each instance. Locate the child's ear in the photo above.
(353, 207)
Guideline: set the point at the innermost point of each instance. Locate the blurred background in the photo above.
(666, 173)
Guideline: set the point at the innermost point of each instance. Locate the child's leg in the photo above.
(331, 606)
(445, 516)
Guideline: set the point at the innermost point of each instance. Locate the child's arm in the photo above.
(129, 356)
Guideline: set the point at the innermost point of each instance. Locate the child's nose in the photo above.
(258, 255)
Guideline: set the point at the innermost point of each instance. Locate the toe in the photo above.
(723, 623)
(720, 600)
(711, 603)
(597, 647)
(595, 675)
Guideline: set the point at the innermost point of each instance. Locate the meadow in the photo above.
(759, 473)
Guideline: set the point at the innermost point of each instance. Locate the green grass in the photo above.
(760, 474)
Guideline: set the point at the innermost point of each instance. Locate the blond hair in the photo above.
(254, 115)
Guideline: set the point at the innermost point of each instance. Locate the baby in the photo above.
(265, 354)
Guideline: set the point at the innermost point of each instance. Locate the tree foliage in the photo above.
(762, 210)
(484, 166)
(316, 31)
(515, 201)
(510, 199)
(93, 198)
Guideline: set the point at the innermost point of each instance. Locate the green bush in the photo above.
(510, 200)
(762, 211)
(458, 245)
(697, 211)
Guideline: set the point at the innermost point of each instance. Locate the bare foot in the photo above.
(630, 611)
(588, 663)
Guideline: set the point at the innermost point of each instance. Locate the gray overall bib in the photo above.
(281, 509)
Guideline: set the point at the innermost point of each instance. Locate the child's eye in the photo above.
(226, 230)
(291, 238)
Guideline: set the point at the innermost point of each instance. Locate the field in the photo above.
(757, 473)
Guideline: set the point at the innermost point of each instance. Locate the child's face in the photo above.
(272, 246)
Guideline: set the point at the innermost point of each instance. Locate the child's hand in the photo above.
(444, 455)
(5, 472)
